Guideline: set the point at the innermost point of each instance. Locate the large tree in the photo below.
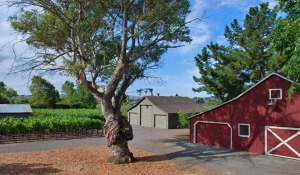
(43, 93)
(105, 45)
(287, 41)
(228, 70)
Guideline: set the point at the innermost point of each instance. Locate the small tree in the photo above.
(77, 97)
(43, 93)
(68, 92)
(84, 98)
(7, 94)
(183, 118)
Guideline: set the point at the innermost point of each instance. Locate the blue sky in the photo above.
(178, 65)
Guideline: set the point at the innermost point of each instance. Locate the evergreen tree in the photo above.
(226, 71)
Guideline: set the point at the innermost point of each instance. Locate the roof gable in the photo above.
(15, 108)
(171, 104)
(248, 90)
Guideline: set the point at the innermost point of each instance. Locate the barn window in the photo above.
(244, 130)
(275, 94)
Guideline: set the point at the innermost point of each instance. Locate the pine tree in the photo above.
(227, 71)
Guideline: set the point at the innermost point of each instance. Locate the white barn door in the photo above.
(282, 141)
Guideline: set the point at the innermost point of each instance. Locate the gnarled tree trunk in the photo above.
(118, 132)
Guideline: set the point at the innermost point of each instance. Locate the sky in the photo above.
(178, 66)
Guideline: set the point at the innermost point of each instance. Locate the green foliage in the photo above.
(77, 98)
(105, 45)
(77, 113)
(220, 72)
(287, 41)
(226, 71)
(53, 120)
(10, 125)
(124, 109)
(44, 94)
(7, 94)
(84, 98)
(198, 100)
(21, 99)
(183, 118)
(211, 103)
(68, 94)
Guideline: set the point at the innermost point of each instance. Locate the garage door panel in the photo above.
(160, 121)
(146, 115)
(213, 134)
(133, 118)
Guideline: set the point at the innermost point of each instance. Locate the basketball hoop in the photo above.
(272, 102)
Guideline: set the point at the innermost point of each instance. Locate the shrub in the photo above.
(183, 118)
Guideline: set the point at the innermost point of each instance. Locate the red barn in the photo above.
(260, 120)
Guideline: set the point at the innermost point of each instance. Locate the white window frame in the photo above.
(243, 124)
(270, 94)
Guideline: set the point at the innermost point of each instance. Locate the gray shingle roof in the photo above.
(172, 104)
(15, 108)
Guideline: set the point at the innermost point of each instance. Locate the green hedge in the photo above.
(10, 125)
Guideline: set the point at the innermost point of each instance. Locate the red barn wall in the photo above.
(252, 108)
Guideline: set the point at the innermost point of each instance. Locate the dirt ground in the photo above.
(83, 161)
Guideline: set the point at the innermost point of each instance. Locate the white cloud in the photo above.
(238, 4)
(272, 3)
(221, 40)
(243, 5)
(5, 65)
(193, 72)
(198, 7)
(200, 34)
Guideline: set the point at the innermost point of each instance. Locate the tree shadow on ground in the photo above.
(182, 148)
(152, 158)
(202, 152)
(22, 168)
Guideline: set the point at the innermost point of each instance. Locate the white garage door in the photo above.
(160, 121)
(133, 118)
(146, 115)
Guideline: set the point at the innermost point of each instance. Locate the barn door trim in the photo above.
(210, 122)
(282, 142)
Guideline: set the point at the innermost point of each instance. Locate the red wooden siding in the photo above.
(252, 108)
(215, 134)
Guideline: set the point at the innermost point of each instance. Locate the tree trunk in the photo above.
(118, 132)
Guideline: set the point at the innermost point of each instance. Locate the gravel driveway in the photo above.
(187, 156)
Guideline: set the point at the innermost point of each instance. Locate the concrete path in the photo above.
(189, 157)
